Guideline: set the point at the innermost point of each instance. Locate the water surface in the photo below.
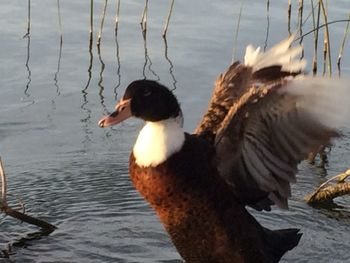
(74, 174)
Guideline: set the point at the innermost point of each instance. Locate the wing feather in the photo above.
(276, 131)
(263, 122)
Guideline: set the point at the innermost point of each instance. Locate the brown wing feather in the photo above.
(229, 87)
(262, 139)
(235, 93)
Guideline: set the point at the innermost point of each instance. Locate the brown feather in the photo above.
(199, 210)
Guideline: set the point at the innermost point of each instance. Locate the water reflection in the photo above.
(171, 68)
(60, 48)
(84, 106)
(118, 57)
(58, 69)
(148, 60)
(268, 24)
(100, 82)
(29, 76)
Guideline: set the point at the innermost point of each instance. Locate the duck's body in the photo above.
(200, 212)
(261, 122)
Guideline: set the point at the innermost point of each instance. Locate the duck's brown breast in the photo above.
(201, 216)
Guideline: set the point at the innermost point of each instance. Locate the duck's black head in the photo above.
(151, 101)
(145, 99)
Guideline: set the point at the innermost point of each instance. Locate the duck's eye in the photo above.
(147, 92)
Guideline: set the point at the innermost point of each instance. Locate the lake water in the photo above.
(74, 175)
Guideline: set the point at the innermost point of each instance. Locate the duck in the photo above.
(264, 117)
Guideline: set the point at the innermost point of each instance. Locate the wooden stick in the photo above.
(326, 192)
(15, 214)
(3, 186)
(329, 193)
(28, 219)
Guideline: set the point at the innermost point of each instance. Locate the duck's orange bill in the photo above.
(121, 113)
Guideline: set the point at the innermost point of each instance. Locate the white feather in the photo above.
(282, 54)
(326, 99)
(157, 141)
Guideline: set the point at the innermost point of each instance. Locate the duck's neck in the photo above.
(157, 141)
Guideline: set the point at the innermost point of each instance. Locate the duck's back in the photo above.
(202, 216)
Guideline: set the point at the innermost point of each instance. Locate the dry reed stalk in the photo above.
(346, 31)
(103, 15)
(235, 39)
(91, 16)
(326, 47)
(316, 25)
(289, 15)
(168, 18)
(267, 24)
(144, 17)
(28, 20)
(300, 16)
(60, 22)
(117, 17)
(300, 22)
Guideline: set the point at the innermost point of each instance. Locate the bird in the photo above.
(265, 115)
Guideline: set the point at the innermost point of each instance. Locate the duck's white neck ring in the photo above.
(157, 141)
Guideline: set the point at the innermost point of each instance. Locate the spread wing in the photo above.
(273, 128)
(273, 124)
(258, 67)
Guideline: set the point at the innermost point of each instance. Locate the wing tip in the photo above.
(281, 54)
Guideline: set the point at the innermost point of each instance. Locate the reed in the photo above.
(326, 47)
(91, 16)
(289, 12)
(235, 38)
(103, 15)
(267, 24)
(117, 17)
(60, 29)
(91, 25)
(346, 31)
(144, 17)
(165, 30)
(316, 23)
(28, 20)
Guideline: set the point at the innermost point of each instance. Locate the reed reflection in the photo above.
(268, 24)
(29, 72)
(148, 60)
(171, 68)
(27, 36)
(60, 49)
(118, 60)
(103, 65)
(84, 106)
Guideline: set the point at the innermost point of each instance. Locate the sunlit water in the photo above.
(74, 175)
